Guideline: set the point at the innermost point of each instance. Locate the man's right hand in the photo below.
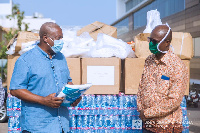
(53, 101)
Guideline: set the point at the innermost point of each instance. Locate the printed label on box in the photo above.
(101, 75)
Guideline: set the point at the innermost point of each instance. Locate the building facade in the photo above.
(181, 15)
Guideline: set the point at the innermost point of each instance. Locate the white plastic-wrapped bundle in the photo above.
(107, 46)
(153, 19)
(27, 46)
(76, 46)
(11, 50)
(72, 92)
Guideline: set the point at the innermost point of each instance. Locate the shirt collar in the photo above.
(164, 59)
(42, 52)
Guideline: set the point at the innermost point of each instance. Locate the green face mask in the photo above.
(153, 48)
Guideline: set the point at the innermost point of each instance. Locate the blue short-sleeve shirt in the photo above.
(39, 74)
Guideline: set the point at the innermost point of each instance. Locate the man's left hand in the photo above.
(76, 102)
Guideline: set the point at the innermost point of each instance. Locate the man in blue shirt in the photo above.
(37, 76)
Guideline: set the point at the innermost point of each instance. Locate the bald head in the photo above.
(160, 31)
(48, 28)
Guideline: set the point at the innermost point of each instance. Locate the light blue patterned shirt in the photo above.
(39, 74)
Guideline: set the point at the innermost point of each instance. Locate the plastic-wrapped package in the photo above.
(27, 46)
(78, 46)
(72, 92)
(11, 50)
(153, 19)
(107, 46)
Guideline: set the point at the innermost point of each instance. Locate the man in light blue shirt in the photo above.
(37, 76)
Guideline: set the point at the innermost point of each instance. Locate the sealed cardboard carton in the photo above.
(74, 65)
(103, 73)
(10, 66)
(133, 73)
(98, 27)
(182, 44)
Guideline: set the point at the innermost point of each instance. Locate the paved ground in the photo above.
(194, 118)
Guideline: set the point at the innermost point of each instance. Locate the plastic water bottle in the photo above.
(9, 103)
(127, 104)
(128, 123)
(98, 104)
(103, 109)
(121, 103)
(83, 102)
(122, 123)
(72, 123)
(96, 121)
(183, 103)
(79, 127)
(93, 105)
(185, 123)
(109, 104)
(100, 124)
(85, 123)
(114, 105)
(11, 123)
(17, 127)
(91, 123)
(116, 121)
(88, 104)
(16, 106)
(184, 111)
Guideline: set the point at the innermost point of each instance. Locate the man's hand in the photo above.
(76, 102)
(142, 116)
(53, 101)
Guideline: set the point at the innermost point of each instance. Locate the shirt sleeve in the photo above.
(20, 74)
(173, 100)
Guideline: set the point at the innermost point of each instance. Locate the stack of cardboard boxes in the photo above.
(110, 75)
(182, 45)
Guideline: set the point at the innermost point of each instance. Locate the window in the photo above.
(122, 26)
(132, 3)
(165, 7)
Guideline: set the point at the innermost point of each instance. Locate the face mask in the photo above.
(153, 48)
(58, 45)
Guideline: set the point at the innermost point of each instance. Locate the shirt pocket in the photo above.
(163, 87)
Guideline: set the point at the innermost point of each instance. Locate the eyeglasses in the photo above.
(149, 39)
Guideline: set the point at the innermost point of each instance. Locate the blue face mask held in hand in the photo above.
(58, 45)
(71, 93)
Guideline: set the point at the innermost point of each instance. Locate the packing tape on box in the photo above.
(182, 45)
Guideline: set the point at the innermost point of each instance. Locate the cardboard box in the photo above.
(103, 73)
(23, 37)
(133, 73)
(74, 65)
(10, 66)
(182, 44)
(98, 27)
